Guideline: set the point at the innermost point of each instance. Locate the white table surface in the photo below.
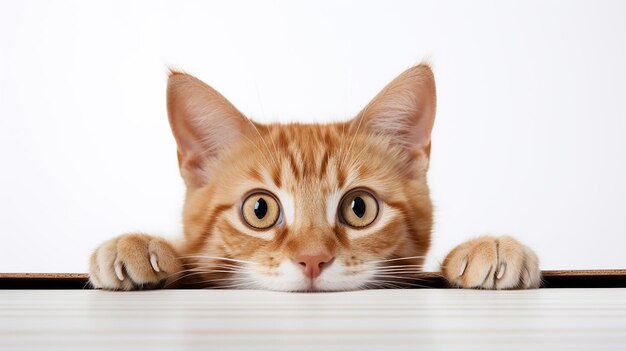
(589, 319)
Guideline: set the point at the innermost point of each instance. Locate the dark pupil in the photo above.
(260, 208)
(358, 207)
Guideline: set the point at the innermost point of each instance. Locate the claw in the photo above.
(463, 266)
(501, 270)
(153, 262)
(118, 270)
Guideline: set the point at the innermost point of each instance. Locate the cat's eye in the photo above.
(358, 209)
(260, 210)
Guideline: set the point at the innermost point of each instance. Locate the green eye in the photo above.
(358, 209)
(260, 210)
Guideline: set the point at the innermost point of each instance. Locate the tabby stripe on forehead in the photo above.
(324, 163)
(294, 165)
(341, 176)
(308, 162)
(277, 176)
(282, 139)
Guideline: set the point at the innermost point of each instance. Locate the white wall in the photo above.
(529, 137)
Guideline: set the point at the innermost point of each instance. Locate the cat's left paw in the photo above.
(492, 263)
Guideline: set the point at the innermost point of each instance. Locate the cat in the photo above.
(306, 207)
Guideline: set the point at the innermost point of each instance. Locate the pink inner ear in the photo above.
(203, 122)
(404, 110)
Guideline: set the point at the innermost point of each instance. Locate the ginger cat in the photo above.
(306, 207)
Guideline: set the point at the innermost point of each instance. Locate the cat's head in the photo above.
(305, 207)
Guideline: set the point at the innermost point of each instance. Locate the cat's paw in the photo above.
(133, 262)
(492, 263)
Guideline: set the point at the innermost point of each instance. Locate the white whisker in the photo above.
(200, 270)
(393, 276)
(401, 284)
(396, 259)
(217, 258)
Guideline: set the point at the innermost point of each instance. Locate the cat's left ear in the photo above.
(404, 111)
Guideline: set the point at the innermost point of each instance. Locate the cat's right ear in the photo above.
(203, 122)
(404, 111)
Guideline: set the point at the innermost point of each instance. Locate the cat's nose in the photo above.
(312, 265)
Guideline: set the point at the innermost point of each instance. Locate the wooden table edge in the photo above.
(425, 275)
(591, 278)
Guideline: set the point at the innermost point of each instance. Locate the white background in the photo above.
(529, 136)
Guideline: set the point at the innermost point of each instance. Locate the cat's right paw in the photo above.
(133, 262)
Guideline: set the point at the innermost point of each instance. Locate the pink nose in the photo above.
(312, 265)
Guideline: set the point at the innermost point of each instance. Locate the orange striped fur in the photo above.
(306, 169)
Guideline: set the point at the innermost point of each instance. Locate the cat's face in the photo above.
(305, 207)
